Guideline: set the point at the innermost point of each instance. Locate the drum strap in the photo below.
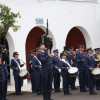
(66, 62)
(17, 64)
(38, 60)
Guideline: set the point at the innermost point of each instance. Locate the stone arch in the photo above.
(78, 35)
(11, 50)
(33, 37)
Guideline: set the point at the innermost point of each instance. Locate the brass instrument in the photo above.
(74, 52)
(51, 55)
(98, 58)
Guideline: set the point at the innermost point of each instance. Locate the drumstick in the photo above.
(23, 61)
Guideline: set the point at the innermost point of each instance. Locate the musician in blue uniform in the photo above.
(85, 54)
(71, 58)
(46, 71)
(64, 73)
(31, 69)
(90, 65)
(97, 52)
(81, 67)
(5, 55)
(2, 79)
(36, 64)
(56, 74)
(36, 51)
(6, 73)
(15, 64)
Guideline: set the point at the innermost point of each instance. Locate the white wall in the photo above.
(63, 15)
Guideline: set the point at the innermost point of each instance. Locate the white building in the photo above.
(71, 22)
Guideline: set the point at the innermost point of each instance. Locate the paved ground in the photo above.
(76, 95)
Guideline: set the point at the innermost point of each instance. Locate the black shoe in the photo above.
(67, 93)
(58, 91)
(74, 88)
(83, 91)
(86, 90)
(39, 93)
(18, 93)
(93, 93)
(33, 91)
(98, 89)
(50, 99)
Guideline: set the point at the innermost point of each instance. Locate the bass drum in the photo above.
(73, 71)
(96, 73)
(24, 74)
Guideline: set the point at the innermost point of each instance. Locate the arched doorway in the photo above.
(34, 38)
(11, 49)
(76, 36)
(7, 46)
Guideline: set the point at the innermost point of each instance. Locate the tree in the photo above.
(7, 20)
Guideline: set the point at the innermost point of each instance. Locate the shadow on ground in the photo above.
(76, 95)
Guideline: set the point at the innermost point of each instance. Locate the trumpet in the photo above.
(73, 52)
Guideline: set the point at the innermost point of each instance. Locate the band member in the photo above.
(85, 54)
(90, 64)
(37, 74)
(15, 64)
(65, 75)
(46, 71)
(56, 74)
(65, 52)
(71, 58)
(36, 51)
(6, 73)
(81, 68)
(5, 55)
(31, 69)
(97, 52)
(2, 79)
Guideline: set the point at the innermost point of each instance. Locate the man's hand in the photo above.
(71, 62)
(17, 68)
(82, 59)
(48, 52)
(4, 62)
(91, 68)
(48, 36)
(40, 66)
(68, 68)
(24, 63)
(98, 65)
(74, 53)
(56, 67)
